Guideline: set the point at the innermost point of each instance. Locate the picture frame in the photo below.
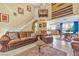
(20, 10)
(40, 25)
(28, 8)
(44, 24)
(43, 12)
(4, 17)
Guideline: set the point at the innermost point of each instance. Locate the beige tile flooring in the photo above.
(63, 45)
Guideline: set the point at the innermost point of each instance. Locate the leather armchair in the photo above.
(75, 47)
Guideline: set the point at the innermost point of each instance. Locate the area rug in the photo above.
(44, 51)
(50, 51)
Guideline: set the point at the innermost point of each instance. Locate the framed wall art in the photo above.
(4, 17)
(44, 24)
(28, 8)
(40, 25)
(20, 10)
(43, 12)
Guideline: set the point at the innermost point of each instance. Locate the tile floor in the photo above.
(63, 45)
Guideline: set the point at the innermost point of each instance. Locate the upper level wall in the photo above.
(68, 18)
(61, 10)
(64, 10)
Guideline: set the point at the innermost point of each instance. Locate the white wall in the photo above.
(15, 22)
(28, 26)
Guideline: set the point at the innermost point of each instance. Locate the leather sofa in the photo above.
(47, 39)
(75, 47)
(13, 40)
(76, 39)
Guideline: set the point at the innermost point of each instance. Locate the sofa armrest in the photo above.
(4, 39)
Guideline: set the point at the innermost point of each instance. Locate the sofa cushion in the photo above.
(22, 34)
(25, 38)
(28, 34)
(14, 41)
(5, 38)
(13, 35)
(30, 37)
(33, 35)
